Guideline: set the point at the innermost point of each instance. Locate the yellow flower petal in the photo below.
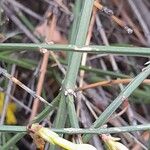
(10, 117)
(112, 144)
(1, 100)
(10, 113)
(54, 138)
(12, 106)
(120, 146)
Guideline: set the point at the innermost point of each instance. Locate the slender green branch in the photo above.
(31, 64)
(38, 118)
(74, 63)
(137, 51)
(71, 131)
(10, 60)
(74, 28)
(9, 128)
(59, 120)
(104, 130)
(103, 118)
(16, 81)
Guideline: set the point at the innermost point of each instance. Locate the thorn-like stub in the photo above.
(33, 127)
(2, 71)
(43, 50)
(70, 92)
(129, 30)
(107, 11)
(50, 42)
(147, 63)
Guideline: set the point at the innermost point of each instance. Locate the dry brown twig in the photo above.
(43, 70)
(84, 57)
(128, 19)
(114, 18)
(109, 83)
(145, 137)
(16, 81)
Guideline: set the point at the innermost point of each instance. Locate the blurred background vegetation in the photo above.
(57, 22)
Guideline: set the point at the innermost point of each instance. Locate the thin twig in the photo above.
(84, 56)
(132, 24)
(25, 9)
(19, 24)
(111, 14)
(141, 20)
(109, 83)
(16, 100)
(42, 72)
(71, 131)
(16, 81)
(7, 99)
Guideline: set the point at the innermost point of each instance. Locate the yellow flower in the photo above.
(55, 139)
(11, 108)
(112, 144)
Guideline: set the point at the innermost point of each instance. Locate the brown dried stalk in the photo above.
(109, 83)
(16, 81)
(42, 71)
(114, 18)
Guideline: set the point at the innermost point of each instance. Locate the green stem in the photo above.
(72, 131)
(73, 67)
(10, 128)
(136, 51)
(76, 12)
(103, 130)
(31, 64)
(74, 64)
(61, 116)
(38, 118)
(26, 22)
(103, 118)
